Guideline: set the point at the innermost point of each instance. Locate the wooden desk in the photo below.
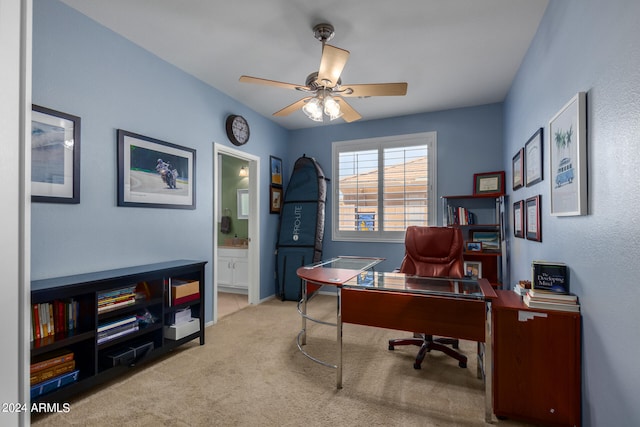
(458, 308)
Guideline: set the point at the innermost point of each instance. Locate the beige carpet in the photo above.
(250, 373)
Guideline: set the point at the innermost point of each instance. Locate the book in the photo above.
(53, 384)
(548, 305)
(114, 306)
(52, 358)
(188, 298)
(541, 295)
(53, 371)
(119, 322)
(116, 333)
(550, 276)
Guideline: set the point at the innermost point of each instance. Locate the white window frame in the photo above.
(380, 143)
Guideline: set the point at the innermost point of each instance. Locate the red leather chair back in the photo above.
(433, 251)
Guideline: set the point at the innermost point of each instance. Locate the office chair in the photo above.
(432, 251)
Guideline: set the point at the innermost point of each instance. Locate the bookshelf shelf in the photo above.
(481, 215)
(141, 319)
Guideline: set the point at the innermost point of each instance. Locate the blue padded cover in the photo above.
(301, 226)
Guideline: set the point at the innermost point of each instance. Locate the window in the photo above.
(383, 185)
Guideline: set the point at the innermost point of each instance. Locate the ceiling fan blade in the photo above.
(375, 89)
(331, 65)
(291, 108)
(258, 80)
(348, 113)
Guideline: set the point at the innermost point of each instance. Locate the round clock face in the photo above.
(237, 129)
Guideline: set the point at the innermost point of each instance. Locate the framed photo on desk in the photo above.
(473, 269)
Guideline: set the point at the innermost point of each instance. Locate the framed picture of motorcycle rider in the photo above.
(55, 156)
(154, 173)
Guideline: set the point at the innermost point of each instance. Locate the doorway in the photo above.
(236, 237)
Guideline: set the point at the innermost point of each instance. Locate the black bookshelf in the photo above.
(94, 359)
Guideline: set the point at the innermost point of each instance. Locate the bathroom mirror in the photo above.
(243, 203)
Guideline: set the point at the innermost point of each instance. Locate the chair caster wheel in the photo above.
(417, 366)
(462, 364)
(456, 346)
(391, 347)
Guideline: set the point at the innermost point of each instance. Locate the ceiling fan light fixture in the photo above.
(331, 107)
(313, 109)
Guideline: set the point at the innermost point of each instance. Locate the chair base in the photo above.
(428, 343)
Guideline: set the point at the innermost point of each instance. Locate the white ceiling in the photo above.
(452, 53)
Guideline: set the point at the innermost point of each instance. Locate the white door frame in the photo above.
(254, 223)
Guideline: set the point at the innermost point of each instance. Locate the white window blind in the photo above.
(383, 185)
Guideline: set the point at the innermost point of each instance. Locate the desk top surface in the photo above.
(356, 273)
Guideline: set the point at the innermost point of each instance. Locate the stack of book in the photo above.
(457, 215)
(549, 300)
(52, 371)
(53, 318)
(117, 298)
(184, 291)
(117, 328)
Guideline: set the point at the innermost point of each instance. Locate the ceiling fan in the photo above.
(325, 88)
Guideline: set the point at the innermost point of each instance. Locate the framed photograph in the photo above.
(490, 239)
(533, 159)
(55, 156)
(533, 218)
(473, 246)
(276, 171)
(517, 168)
(518, 219)
(488, 184)
(568, 158)
(473, 269)
(275, 200)
(154, 173)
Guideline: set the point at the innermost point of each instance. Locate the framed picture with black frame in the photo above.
(55, 156)
(533, 152)
(534, 229)
(276, 171)
(518, 219)
(154, 173)
(517, 169)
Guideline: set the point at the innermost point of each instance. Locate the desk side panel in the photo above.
(451, 317)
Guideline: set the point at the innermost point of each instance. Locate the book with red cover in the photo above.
(187, 298)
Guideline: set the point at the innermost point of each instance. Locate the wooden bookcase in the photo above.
(94, 358)
(536, 363)
(489, 216)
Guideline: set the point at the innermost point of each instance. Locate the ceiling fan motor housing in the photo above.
(323, 32)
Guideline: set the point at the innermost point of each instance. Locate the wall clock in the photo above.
(237, 129)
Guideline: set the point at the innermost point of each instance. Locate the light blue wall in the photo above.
(591, 46)
(82, 68)
(469, 141)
